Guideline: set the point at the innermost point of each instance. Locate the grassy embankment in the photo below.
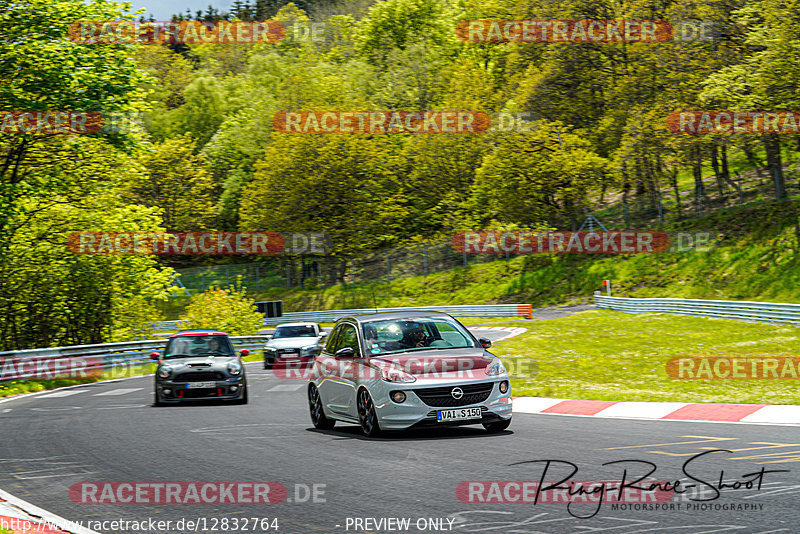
(607, 355)
(756, 257)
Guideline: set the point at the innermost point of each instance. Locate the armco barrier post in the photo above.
(607, 284)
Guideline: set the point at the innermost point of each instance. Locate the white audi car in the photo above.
(293, 342)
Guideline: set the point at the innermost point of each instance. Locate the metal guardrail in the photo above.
(79, 361)
(330, 316)
(486, 310)
(766, 312)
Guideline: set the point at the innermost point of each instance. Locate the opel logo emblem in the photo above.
(457, 393)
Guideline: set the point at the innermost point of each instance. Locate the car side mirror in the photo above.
(269, 336)
(485, 343)
(155, 355)
(244, 352)
(346, 353)
(323, 334)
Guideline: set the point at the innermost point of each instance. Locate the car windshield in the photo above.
(404, 335)
(189, 346)
(294, 331)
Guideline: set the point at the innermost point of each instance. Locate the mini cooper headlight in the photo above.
(397, 375)
(235, 368)
(164, 371)
(495, 367)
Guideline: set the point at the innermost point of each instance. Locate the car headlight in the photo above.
(269, 349)
(397, 375)
(164, 371)
(235, 368)
(495, 367)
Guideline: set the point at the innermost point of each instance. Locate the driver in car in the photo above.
(415, 336)
(215, 345)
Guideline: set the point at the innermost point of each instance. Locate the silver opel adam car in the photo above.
(393, 371)
(199, 365)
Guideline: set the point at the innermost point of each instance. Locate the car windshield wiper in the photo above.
(215, 354)
(177, 356)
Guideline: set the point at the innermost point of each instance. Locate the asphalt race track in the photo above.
(108, 432)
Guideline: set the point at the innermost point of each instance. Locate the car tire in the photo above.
(156, 401)
(243, 398)
(499, 426)
(367, 417)
(318, 418)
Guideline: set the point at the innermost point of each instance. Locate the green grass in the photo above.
(607, 355)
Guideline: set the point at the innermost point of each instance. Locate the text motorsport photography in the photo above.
(698, 489)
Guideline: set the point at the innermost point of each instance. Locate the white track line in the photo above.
(114, 392)
(59, 394)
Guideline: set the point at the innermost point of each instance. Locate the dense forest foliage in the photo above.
(204, 155)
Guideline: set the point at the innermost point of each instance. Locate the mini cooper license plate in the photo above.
(458, 415)
(200, 385)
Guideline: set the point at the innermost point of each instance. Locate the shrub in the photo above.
(228, 310)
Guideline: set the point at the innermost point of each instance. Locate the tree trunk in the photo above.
(697, 171)
(717, 171)
(773, 146)
(673, 178)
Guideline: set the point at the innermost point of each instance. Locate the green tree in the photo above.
(540, 176)
(42, 69)
(176, 179)
(228, 310)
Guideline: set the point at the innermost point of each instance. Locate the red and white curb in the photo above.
(771, 414)
(511, 331)
(21, 517)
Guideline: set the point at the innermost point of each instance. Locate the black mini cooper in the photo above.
(199, 365)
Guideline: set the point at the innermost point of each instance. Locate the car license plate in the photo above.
(200, 385)
(458, 415)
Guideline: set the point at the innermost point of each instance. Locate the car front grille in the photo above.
(200, 376)
(199, 393)
(442, 396)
